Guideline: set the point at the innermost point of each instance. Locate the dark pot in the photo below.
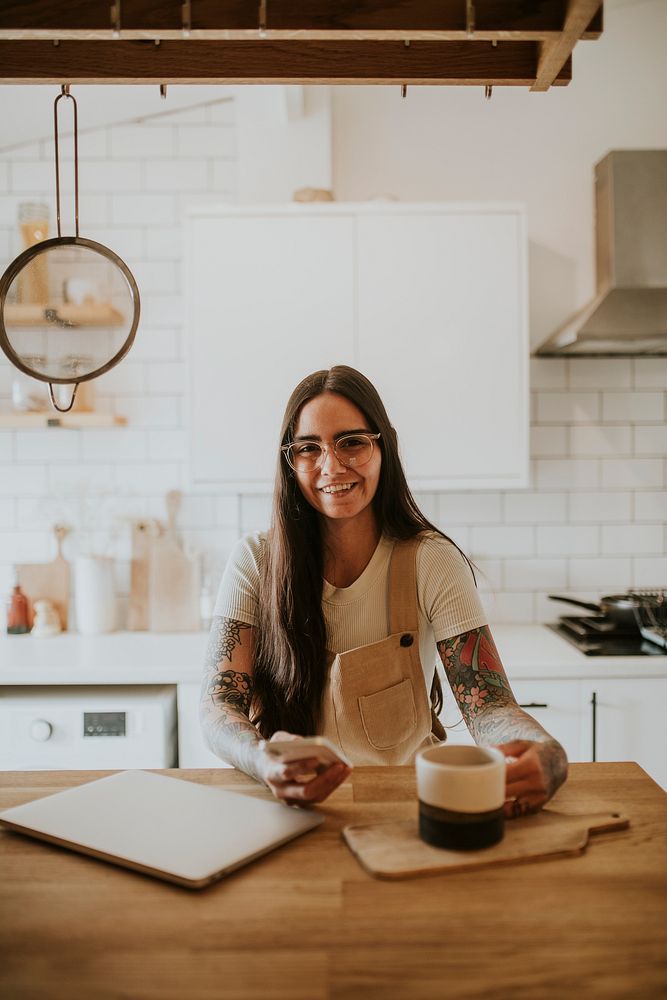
(619, 609)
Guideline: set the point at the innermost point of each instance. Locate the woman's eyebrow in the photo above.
(340, 434)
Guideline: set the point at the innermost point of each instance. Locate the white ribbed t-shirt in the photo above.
(355, 616)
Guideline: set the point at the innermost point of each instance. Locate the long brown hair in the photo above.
(290, 661)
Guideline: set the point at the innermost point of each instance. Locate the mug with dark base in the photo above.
(461, 793)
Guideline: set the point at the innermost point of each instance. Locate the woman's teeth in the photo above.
(338, 488)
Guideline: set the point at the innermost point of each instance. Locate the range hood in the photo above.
(628, 316)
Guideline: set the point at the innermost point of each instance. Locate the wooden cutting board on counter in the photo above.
(137, 612)
(48, 581)
(395, 851)
(173, 579)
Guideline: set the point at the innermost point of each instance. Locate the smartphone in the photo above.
(310, 746)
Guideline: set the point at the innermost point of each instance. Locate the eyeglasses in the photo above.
(351, 450)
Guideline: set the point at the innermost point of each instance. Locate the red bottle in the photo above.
(17, 613)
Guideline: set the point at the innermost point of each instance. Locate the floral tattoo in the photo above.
(474, 671)
(484, 695)
(225, 637)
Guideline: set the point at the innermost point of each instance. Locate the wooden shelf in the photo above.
(87, 314)
(446, 42)
(50, 418)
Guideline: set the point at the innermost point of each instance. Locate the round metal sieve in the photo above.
(69, 307)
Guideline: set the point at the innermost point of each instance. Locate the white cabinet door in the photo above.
(442, 334)
(428, 300)
(192, 750)
(629, 722)
(270, 298)
(556, 706)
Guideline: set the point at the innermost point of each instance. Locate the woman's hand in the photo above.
(291, 784)
(533, 774)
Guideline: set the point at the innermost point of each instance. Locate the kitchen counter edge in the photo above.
(528, 652)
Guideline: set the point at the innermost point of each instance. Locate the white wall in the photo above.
(593, 520)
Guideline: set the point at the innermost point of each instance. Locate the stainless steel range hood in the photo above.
(628, 316)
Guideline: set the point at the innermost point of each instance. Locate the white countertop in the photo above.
(527, 651)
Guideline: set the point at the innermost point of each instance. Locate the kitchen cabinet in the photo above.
(555, 705)
(428, 300)
(625, 720)
(270, 298)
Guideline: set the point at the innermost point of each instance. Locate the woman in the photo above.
(329, 623)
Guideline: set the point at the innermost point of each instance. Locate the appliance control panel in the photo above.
(103, 724)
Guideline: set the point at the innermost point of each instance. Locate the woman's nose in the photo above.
(331, 462)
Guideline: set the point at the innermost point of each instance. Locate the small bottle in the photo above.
(17, 613)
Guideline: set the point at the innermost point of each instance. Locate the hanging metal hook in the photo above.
(186, 18)
(163, 90)
(470, 18)
(115, 18)
(488, 91)
(404, 86)
(64, 92)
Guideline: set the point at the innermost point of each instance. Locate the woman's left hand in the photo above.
(533, 775)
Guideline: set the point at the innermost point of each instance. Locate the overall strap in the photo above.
(403, 609)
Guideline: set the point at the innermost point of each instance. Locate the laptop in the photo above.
(176, 830)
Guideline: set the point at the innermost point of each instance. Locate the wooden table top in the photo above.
(308, 923)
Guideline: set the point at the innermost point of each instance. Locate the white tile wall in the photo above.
(592, 522)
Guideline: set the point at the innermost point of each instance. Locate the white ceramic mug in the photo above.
(461, 792)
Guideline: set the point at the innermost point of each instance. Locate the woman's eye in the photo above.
(351, 443)
(308, 449)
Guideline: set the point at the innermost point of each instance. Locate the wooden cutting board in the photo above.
(137, 612)
(394, 850)
(173, 583)
(47, 581)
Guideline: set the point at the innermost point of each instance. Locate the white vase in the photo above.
(95, 595)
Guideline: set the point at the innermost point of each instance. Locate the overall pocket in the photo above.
(389, 717)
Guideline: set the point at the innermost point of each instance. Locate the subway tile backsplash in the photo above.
(592, 522)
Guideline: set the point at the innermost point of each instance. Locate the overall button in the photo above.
(407, 639)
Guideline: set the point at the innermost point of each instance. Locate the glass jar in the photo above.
(28, 394)
(34, 227)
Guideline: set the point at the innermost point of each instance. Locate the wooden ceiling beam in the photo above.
(181, 62)
(554, 54)
(315, 20)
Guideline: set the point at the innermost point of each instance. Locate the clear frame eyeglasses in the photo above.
(351, 450)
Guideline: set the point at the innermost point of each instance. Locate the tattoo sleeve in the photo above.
(482, 690)
(226, 697)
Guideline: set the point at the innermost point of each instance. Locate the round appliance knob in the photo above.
(41, 730)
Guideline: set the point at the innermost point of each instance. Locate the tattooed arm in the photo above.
(483, 693)
(226, 696)
(227, 692)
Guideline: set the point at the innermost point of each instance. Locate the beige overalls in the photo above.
(375, 705)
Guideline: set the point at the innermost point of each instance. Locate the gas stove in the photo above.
(597, 635)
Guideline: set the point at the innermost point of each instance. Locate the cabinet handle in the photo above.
(594, 710)
(534, 704)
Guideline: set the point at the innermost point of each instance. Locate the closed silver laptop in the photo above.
(181, 831)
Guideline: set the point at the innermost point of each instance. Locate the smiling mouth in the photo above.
(337, 488)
